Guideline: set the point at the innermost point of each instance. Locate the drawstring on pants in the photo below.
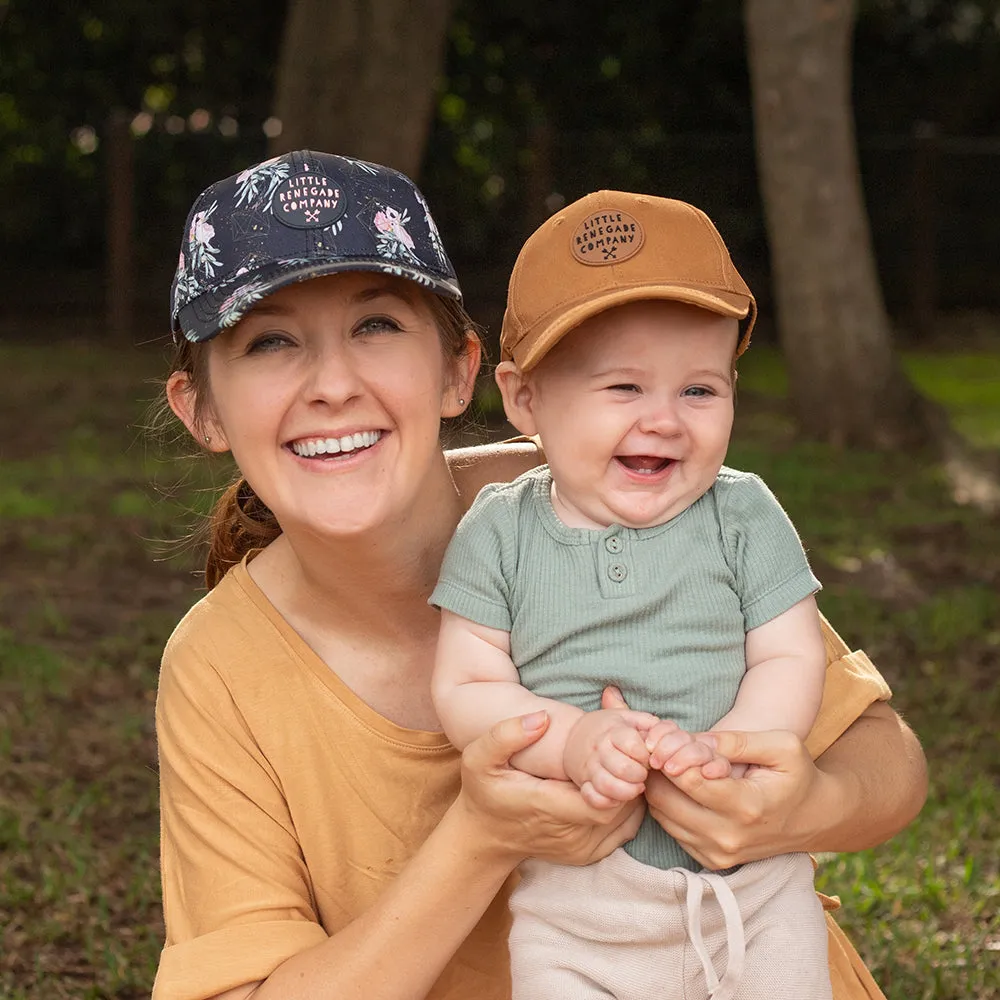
(724, 988)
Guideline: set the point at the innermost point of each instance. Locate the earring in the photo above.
(208, 439)
(461, 402)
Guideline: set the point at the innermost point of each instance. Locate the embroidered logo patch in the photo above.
(607, 237)
(308, 201)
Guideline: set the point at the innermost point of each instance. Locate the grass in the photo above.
(88, 594)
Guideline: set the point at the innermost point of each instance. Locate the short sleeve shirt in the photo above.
(287, 804)
(270, 841)
(662, 611)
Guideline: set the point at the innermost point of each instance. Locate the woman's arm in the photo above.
(880, 763)
(398, 948)
(866, 787)
(868, 781)
(472, 468)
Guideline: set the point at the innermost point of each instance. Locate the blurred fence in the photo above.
(101, 241)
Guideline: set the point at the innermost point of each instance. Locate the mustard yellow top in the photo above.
(287, 803)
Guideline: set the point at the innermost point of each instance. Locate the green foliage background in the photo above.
(537, 100)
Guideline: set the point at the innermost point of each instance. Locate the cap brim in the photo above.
(204, 317)
(733, 304)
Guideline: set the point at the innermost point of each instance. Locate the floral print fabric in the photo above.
(294, 217)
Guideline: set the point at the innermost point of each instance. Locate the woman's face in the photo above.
(329, 394)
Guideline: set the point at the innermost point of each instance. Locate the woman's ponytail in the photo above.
(240, 524)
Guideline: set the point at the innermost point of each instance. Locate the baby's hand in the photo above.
(673, 750)
(606, 756)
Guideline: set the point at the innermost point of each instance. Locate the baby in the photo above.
(635, 558)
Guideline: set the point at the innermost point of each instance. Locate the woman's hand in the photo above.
(727, 821)
(517, 815)
(722, 822)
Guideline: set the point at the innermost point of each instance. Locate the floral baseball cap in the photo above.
(295, 217)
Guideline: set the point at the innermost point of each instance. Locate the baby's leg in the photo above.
(787, 954)
(547, 959)
(614, 929)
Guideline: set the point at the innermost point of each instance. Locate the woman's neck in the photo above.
(374, 585)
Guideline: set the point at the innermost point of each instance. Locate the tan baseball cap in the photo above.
(609, 248)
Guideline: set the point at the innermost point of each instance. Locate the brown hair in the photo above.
(240, 522)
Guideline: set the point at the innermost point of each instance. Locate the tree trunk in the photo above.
(358, 77)
(845, 381)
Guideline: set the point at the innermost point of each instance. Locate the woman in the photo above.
(320, 836)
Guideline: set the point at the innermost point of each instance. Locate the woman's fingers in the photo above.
(630, 819)
(727, 821)
(771, 748)
(508, 737)
(626, 821)
(689, 823)
(527, 816)
(611, 697)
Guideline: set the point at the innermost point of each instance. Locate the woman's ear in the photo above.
(458, 394)
(183, 400)
(518, 394)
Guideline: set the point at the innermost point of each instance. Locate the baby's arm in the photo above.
(781, 689)
(786, 666)
(475, 685)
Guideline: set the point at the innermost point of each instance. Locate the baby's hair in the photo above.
(240, 522)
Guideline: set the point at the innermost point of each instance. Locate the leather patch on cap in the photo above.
(607, 237)
(308, 201)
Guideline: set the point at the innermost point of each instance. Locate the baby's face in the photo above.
(634, 409)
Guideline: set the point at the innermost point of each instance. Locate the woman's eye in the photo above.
(624, 387)
(377, 324)
(267, 342)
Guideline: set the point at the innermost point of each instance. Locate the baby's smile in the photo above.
(645, 465)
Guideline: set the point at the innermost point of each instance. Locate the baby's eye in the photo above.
(377, 324)
(625, 387)
(698, 391)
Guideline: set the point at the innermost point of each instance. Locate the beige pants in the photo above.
(629, 931)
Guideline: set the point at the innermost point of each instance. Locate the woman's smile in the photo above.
(336, 446)
(344, 378)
